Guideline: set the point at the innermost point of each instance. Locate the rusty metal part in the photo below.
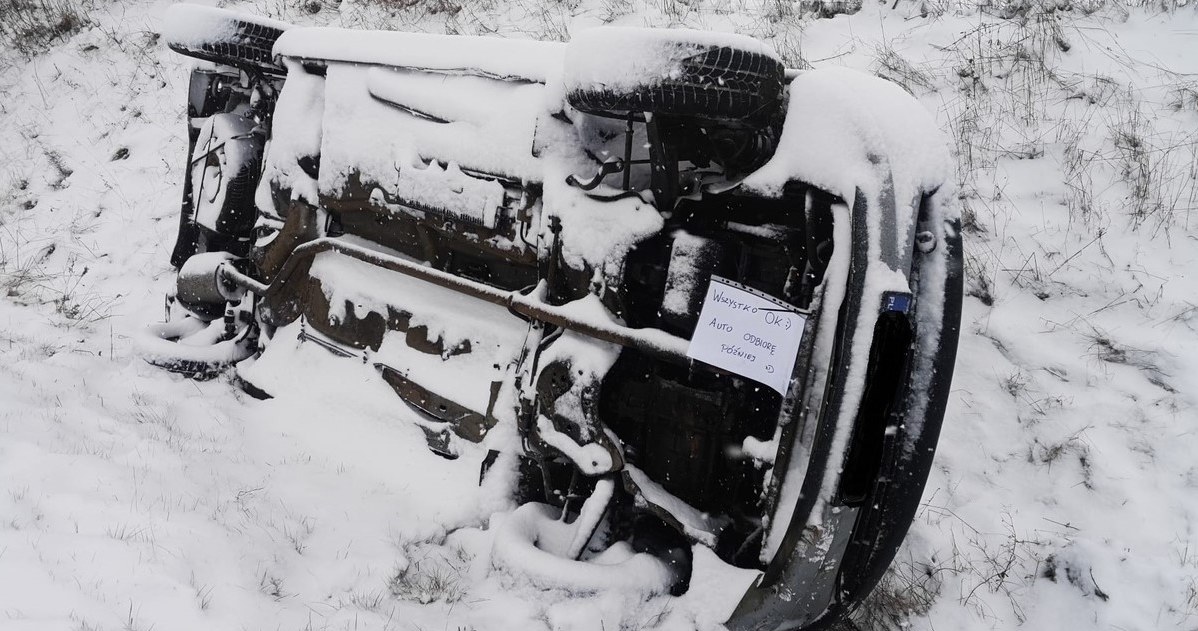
(306, 335)
(302, 225)
(653, 342)
(460, 419)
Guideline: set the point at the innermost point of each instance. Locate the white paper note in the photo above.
(747, 332)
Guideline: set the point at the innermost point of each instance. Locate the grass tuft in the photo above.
(436, 576)
(32, 26)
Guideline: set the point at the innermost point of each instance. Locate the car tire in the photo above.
(653, 536)
(722, 82)
(224, 37)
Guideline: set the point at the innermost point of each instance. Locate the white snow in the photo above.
(591, 458)
(447, 191)
(524, 544)
(683, 276)
(494, 335)
(596, 234)
(763, 451)
(497, 57)
(698, 525)
(200, 343)
(297, 115)
(497, 140)
(845, 129)
(466, 98)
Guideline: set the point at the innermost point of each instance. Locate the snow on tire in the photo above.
(223, 36)
(612, 71)
(530, 544)
(190, 346)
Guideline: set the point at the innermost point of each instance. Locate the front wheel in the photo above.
(606, 544)
(189, 344)
(726, 79)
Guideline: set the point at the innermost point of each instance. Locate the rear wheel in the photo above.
(223, 36)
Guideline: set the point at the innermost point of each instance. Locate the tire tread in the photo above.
(251, 45)
(721, 84)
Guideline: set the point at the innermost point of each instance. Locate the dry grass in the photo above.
(31, 26)
(436, 574)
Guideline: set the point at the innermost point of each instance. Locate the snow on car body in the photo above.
(519, 237)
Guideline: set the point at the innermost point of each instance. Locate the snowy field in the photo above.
(1065, 493)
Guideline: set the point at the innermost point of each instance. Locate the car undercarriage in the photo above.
(528, 243)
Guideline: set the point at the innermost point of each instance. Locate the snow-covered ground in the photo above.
(1065, 493)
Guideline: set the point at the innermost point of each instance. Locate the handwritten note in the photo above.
(747, 332)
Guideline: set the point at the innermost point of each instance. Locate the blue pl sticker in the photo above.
(896, 301)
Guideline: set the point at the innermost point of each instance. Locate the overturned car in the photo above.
(715, 301)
